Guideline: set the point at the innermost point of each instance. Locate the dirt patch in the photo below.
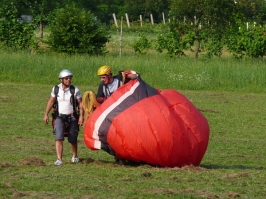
(146, 174)
(5, 164)
(19, 194)
(233, 195)
(126, 179)
(199, 193)
(87, 197)
(33, 161)
(86, 161)
(236, 175)
(189, 168)
(7, 184)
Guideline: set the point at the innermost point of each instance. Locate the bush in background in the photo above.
(251, 42)
(73, 30)
(14, 33)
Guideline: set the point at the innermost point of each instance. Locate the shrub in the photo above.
(142, 44)
(14, 33)
(251, 43)
(74, 30)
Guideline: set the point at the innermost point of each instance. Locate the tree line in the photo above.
(203, 24)
(252, 10)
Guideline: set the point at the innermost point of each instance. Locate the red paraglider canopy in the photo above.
(140, 123)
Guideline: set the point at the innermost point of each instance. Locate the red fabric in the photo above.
(165, 129)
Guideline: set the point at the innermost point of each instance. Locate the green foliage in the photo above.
(251, 42)
(253, 10)
(142, 44)
(74, 30)
(175, 41)
(212, 16)
(134, 8)
(212, 44)
(14, 33)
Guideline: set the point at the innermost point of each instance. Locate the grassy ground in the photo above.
(233, 166)
(158, 70)
(230, 93)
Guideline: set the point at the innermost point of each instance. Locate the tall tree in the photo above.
(254, 10)
(211, 16)
(40, 9)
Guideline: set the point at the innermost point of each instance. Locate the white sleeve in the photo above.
(52, 93)
(77, 93)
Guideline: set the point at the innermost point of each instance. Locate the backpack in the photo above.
(73, 101)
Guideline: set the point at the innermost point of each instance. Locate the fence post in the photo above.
(140, 18)
(163, 18)
(127, 21)
(121, 33)
(115, 20)
(152, 20)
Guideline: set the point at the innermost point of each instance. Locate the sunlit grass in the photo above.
(233, 166)
(157, 69)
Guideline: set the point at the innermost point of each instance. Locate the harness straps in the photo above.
(72, 99)
(55, 113)
(107, 89)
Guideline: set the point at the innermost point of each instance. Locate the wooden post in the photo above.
(127, 21)
(115, 20)
(140, 18)
(152, 20)
(121, 33)
(163, 18)
(41, 29)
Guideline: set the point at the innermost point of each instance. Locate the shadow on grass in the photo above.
(242, 167)
(141, 164)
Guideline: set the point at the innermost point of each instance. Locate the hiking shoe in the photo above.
(58, 162)
(75, 159)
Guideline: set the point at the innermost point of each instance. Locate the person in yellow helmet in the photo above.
(110, 83)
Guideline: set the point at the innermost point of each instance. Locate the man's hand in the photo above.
(46, 119)
(80, 122)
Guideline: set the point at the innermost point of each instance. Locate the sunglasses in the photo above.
(67, 78)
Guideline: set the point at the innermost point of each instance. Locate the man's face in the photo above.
(104, 79)
(66, 81)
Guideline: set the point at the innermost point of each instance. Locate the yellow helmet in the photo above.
(104, 70)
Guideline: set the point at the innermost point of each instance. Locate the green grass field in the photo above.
(230, 93)
(233, 166)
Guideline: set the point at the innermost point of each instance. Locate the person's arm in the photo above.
(48, 108)
(131, 74)
(81, 112)
(128, 75)
(100, 94)
(100, 99)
